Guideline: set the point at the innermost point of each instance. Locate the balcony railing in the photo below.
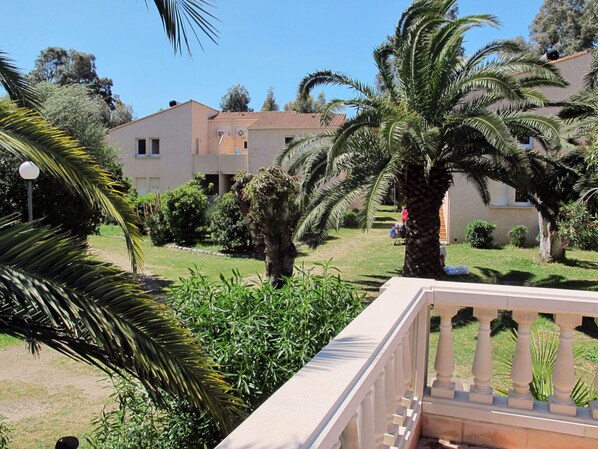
(368, 387)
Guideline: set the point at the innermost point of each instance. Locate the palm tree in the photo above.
(436, 113)
(52, 292)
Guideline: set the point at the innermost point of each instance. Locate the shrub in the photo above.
(350, 219)
(5, 431)
(278, 330)
(517, 236)
(228, 228)
(146, 205)
(579, 229)
(478, 233)
(159, 232)
(259, 335)
(139, 423)
(184, 209)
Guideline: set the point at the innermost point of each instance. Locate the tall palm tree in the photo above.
(52, 292)
(437, 113)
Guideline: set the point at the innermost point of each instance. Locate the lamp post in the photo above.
(29, 171)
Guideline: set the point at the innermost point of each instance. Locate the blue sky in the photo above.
(262, 43)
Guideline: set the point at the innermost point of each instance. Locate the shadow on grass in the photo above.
(587, 264)
(155, 286)
(371, 283)
(385, 220)
(462, 318)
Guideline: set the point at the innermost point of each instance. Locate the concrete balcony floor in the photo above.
(435, 443)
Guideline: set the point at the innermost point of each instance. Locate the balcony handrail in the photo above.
(366, 388)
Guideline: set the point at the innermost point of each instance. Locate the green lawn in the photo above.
(369, 259)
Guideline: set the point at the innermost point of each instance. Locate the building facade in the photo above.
(166, 149)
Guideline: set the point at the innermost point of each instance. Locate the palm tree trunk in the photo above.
(424, 198)
(551, 245)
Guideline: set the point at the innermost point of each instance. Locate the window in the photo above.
(154, 185)
(526, 141)
(288, 140)
(245, 145)
(520, 197)
(141, 149)
(155, 147)
(141, 185)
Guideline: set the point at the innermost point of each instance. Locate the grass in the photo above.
(369, 259)
(6, 341)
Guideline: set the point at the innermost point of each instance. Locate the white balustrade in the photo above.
(390, 390)
(380, 423)
(521, 370)
(563, 377)
(480, 391)
(365, 422)
(367, 389)
(443, 386)
(350, 438)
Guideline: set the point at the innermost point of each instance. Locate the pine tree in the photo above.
(270, 102)
(236, 100)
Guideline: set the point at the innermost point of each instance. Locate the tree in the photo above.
(307, 104)
(438, 114)
(270, 102)
(70, 109)
(268, 201)
(59, 66)
(566, 25)
(236, 100)
(53, 294)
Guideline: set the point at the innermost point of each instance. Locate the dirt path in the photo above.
(48, 397)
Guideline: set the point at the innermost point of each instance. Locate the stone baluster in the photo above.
(399, 416)
(380, 424)
(563, 377)
(365, 422)
(407, 364)
(350, 437)
(390, 389)
(443, 386)
(521, 370)
(594, 404)
(480, 391)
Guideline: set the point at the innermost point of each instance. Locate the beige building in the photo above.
(507, 209)
(166, 149)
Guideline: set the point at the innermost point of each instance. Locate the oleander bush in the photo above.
(478, 233)
(517, 236)
(184, 209)
(350, 219)
(227, 224)
(259, 335)
(578, 227)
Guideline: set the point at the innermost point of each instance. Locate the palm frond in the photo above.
(180, 16)
(15, 85)
(26, 135)
(51, 292)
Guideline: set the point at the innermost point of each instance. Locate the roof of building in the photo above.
(281, 119)
(573, 56)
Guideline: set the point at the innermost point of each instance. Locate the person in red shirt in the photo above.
(404, 215)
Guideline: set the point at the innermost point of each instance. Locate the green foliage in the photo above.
(269, 203)
(70, 109)
(260, 335)
(158, 230)
(307, 104)
(146, 205)
(139, 423)
(5, 431)
(566, 25)
(236, 99)
(543, 347)
(270, 102)
(350, 219)
(478, 233)
(184, 210)
(517, 236)
(227, 223)
(578, 227)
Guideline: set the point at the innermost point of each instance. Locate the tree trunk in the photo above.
(551, 246)
(280, 258)
(424, 198)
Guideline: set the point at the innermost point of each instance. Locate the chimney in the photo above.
(552, 55)
(172, 103)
